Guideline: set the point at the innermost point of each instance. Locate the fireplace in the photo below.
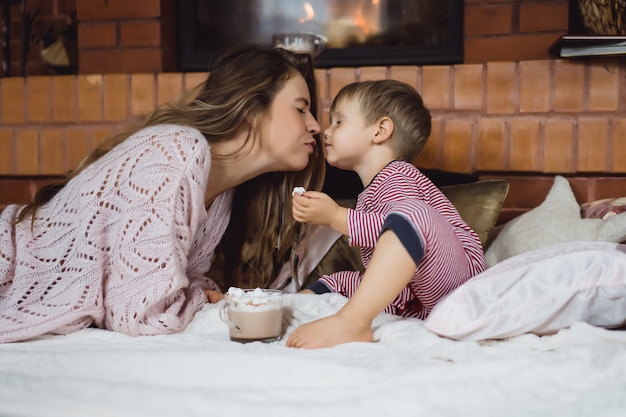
(357, 32)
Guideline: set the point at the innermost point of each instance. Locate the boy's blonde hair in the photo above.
(398, 101)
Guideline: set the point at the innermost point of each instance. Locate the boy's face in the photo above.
(348, 138)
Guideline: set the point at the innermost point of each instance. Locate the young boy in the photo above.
(414, 245)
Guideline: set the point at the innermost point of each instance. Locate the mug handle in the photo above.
(226, 320)
(320, 43)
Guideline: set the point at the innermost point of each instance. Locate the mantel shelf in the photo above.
(582, 46)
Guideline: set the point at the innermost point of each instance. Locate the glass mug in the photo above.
(253, 315)
(300, 43)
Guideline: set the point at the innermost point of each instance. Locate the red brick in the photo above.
(53, 151)
(143, 93)
(140, 33)
(534, 86)
(524, 145)
(468, 87)
(491, 147)
(12, 100)
(116, 9)
(544, 16)
(618, 146)
(430, 156)
(509, 47)
(142, 60)
(569, 82)
(64, 98)
(97, 35)
(457, 147)
(558, 146)
(38, 108)
(502, 94)
(77, 146)
(7, 152)
(592, 153)
(436, 88)
(488, 19)
(116, 97)
(604, 81)
(372, 73)
(90, 98)
(169, 86)
(27, 152)
(340, 77)
(98, 61)
(405, 73)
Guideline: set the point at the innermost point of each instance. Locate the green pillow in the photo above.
(478, 203)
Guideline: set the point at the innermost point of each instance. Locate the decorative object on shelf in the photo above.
(603, 17)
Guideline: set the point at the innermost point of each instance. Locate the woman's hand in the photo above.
(214, 296)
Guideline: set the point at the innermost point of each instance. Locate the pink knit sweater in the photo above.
(124, 245)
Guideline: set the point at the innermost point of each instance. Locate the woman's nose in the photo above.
(313, 126)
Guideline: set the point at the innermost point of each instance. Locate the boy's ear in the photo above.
(385, 129)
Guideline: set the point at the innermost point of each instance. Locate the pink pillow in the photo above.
(602, 209)
(540, 292)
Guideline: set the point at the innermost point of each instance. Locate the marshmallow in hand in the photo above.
(298, 190)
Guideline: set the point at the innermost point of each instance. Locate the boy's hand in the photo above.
(318, 208)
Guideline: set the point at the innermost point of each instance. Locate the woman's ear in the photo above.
(385, 129)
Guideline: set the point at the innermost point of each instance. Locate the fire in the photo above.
(363, 22)
(310, 13)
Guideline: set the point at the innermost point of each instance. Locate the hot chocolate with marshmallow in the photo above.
(253, 315)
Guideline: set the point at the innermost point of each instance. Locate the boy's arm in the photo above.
(389, 271)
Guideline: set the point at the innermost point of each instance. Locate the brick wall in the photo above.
(536, 116)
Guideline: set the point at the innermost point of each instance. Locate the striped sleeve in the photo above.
(364, 228)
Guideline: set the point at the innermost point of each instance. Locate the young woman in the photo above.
(414, 245)
(125, 242)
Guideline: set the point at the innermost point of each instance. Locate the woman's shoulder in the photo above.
(172, 140)
(172, 134)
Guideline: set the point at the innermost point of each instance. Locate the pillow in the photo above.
(602, 209)
(556, 219)
(541, 292)
(478, 203)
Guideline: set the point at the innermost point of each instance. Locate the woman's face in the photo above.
(287, 138)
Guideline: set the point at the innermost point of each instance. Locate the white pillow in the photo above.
(557, 219)
(541, 292)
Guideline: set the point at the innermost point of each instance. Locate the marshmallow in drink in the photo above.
(298, 190)
(253, 315)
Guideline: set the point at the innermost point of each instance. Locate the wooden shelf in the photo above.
(581, 46)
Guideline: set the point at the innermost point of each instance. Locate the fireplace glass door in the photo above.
(356, 32)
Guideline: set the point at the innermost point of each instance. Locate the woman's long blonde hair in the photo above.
(242, 84)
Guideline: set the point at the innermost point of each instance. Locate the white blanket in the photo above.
(408, 371)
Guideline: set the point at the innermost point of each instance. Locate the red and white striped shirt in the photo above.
(452, 252)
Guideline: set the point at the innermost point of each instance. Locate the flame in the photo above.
(310, 13)
(361, 21)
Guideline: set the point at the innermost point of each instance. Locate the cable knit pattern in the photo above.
(124, 245)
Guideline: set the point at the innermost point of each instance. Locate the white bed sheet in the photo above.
(409, 371)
